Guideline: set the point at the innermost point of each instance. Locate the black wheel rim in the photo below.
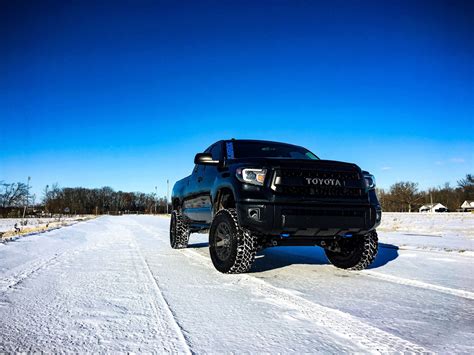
(223, 241)
(348, 247)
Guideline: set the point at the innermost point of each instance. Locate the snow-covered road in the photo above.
(114, 284)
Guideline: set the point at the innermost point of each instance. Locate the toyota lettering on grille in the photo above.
(324, 182)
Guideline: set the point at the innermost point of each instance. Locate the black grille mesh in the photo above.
(299, 186)
(342, 175)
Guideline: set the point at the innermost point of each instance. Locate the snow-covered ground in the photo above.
(434, 224)
(435, 231)
(113, 284)
(8, 224)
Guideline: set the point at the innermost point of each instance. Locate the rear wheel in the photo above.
(356, 253)
(232, 248)
(179, 231)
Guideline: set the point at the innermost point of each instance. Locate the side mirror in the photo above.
(205, 159)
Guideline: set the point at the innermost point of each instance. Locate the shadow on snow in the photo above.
(279, 257)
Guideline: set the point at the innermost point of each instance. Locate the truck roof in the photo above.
(259, 141)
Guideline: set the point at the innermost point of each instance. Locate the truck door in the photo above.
(207, 182)
(197, 202)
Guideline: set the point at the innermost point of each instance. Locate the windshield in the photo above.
(242, 149)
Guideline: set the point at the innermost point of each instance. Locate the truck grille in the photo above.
(325, 212)
(329, 184)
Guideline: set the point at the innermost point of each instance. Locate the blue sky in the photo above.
(124, 93)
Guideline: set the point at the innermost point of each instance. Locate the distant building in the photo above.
(467, 206)
(435, 207)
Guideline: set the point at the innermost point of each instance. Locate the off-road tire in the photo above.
(356, 254)
(179, 231)
(242, 244)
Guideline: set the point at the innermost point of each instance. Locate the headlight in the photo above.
(369, 181)
(251, 176)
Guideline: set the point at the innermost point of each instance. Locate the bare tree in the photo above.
(467, 182)
(405, 193)
(13, 195)
(467, 187)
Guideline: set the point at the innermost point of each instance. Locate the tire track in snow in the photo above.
(415, 283)
(38, 265)
(11, 282)
(164, 306)
(340, 323)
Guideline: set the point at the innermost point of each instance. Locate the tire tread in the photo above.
(246, 245)
(182, 232)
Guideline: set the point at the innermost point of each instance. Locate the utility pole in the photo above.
(27, 196)
(167, 194)
(46, 199)
(156, 196)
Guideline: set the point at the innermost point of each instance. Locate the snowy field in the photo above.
(435, 231)
(113, 284)
(434, 224)
(8, 224)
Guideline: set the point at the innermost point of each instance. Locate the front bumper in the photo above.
(316, 220)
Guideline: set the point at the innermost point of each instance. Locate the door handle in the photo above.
(200, 179)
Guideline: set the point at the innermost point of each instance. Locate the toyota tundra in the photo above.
(252, 194)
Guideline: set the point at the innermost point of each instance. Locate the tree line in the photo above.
(78, 200)
(404, 196)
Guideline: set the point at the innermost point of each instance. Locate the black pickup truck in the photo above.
(253, 194)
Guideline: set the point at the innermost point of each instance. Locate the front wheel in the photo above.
(356, 253)
(232, 248)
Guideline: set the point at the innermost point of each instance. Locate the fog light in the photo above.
(254, 213)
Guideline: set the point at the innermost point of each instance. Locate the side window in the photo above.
(201, 168)
(216, 151)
